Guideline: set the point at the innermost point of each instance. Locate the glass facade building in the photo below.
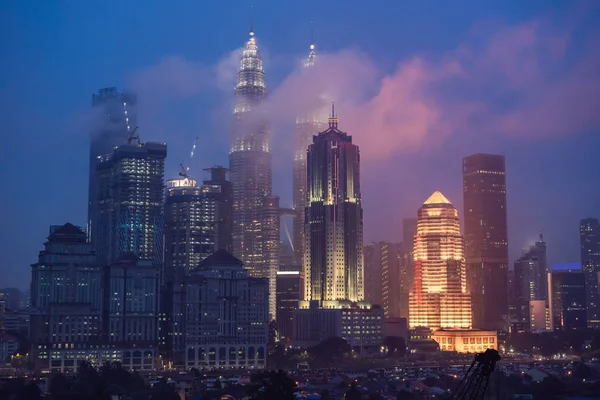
(590, 263)
(486, 239)
(130, 202)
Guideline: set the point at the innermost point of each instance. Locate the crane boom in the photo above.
(184, 169)
(476, 380)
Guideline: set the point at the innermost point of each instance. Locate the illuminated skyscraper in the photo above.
(308, 123)
(197, 221)
(333, 264)
(590, 264)
(114, 119)
(439, 297)
(130, 202)
(250, 166)
(486, 239)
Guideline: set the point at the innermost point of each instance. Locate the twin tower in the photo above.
(327, 208)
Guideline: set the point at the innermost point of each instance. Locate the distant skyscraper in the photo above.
(308, 123)
(439, 297)
(486, 239)
(391, 280)
(289, 293)
(333, 264)
(530, 280)
(112, 125)
(197, 223)
(130, 202)
(567, 299)
(66, 300)
(250, 165)
(373, 273)
(409, 230)
(590, 263)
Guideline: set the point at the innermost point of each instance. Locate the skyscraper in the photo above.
(130, 202)
(439, 298)
(373, 273)
(197, 223)
(390, 279)
(486, 239)
(114, 119)
(530, 280)
(567, 299)
(333, 264)
(308, 123)
(409, 230)
(590, 263)
(250, 165)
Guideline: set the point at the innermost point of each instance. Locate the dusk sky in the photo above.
(418, 84)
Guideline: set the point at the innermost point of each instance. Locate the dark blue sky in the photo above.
(55, 54)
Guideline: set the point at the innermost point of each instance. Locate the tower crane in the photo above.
(132, 136)
(476, 380)
(184, 169)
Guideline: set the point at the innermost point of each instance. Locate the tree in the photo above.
(58, 385)
(395, 344)
(218, 385)
(31, 391)
(163, 391)
(404, 395)
(272, 385)
(330, 349)
(353, 393)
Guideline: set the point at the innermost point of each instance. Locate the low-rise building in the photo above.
(466, 340)
(360, 325)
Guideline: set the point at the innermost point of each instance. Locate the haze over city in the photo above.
(417, 87)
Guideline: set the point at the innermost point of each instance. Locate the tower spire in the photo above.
(310, 60)
(333, 119)
(251, 22)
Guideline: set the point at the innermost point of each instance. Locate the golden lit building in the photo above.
(439, 298)
(466, 340)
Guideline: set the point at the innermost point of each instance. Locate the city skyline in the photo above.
(531, 196)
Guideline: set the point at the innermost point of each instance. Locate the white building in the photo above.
(226, 316)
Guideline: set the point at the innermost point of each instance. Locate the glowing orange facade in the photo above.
(439, 298)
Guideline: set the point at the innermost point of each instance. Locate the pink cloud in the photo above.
(526, 80)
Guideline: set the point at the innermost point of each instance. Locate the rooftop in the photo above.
(437, 198)
(220, 258)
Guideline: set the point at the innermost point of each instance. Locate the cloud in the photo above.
(530, 80)
(536, 79)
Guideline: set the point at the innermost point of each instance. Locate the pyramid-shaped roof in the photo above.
(68, 229)
(437, 198)
(220, 258)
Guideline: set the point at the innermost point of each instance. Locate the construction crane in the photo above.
(476, 380)
(184, 169)
(132, 136)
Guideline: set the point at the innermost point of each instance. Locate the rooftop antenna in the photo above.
(333, 120)
(312, 35)
(251, 25)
